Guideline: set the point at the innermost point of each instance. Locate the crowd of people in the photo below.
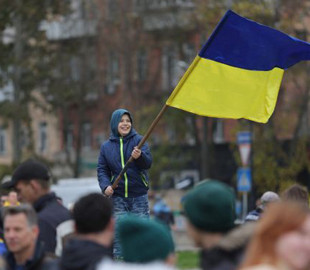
(40, 233)
(114, 230)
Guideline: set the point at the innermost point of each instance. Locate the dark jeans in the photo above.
(138, 206)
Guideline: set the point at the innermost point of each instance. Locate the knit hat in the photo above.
(210, 206)
(28, 170)
(144, 240)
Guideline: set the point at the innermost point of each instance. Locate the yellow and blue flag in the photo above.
(239, 70)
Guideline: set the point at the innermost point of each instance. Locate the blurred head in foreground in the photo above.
(281, 239)
(145, 241)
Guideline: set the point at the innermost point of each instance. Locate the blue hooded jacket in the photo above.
(113, 156)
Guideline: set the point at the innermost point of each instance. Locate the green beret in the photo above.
(210, 206)
(144, 240)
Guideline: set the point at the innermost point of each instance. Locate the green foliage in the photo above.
(5, 170)
(266, 174)
(169, 158)
(172, 153)
(261, 11)
(24, 58)
(188, 259)
(274, 168)
(209, 13)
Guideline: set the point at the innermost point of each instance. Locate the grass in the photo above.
(187, 259)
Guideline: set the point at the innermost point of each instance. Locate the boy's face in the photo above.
(124, 126)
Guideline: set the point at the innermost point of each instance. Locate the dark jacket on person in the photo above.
(228, 253)
(115, 152)
(53, 220)
(82, 254)
(254, 215)
(39, 261)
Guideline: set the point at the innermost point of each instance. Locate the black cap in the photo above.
(28, 170)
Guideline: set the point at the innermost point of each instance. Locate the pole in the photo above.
(204, 153)
(245, 204)
(252, 202)
(145, 137)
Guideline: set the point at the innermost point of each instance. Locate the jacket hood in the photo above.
(80, 254)
(116, 118)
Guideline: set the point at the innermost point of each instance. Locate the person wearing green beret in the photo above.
(210, 213)
(145, 244)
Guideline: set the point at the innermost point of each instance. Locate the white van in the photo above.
(71, 189)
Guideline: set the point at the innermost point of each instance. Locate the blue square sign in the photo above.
(244, 179)
(244, 137)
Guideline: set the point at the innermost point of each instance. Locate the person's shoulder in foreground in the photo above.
(109, 264)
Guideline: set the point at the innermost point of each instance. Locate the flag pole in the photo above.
(145, 137)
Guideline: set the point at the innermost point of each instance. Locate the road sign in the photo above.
(244, 179)
(245, 151)
(244, 137)
(244, 142)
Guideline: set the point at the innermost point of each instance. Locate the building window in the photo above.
(75, 68)
(2, 141)
(141, 65)
(42, 137)
(86, 136)
(112, 9)
(189, 52)
(24, 137)
(218, 134)
(69, 137)
(7, 87)
(114, 67)
(168, 73)
(113, 73)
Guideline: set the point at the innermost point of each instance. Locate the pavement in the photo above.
(182, 241)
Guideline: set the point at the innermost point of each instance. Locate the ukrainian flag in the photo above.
(238, 72)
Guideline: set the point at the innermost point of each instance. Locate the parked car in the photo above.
(71, 189)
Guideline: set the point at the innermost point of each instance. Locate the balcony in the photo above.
(67, 29)
(164, 14)
(152, 5)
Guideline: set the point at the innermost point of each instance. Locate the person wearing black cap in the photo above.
(31, 182)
